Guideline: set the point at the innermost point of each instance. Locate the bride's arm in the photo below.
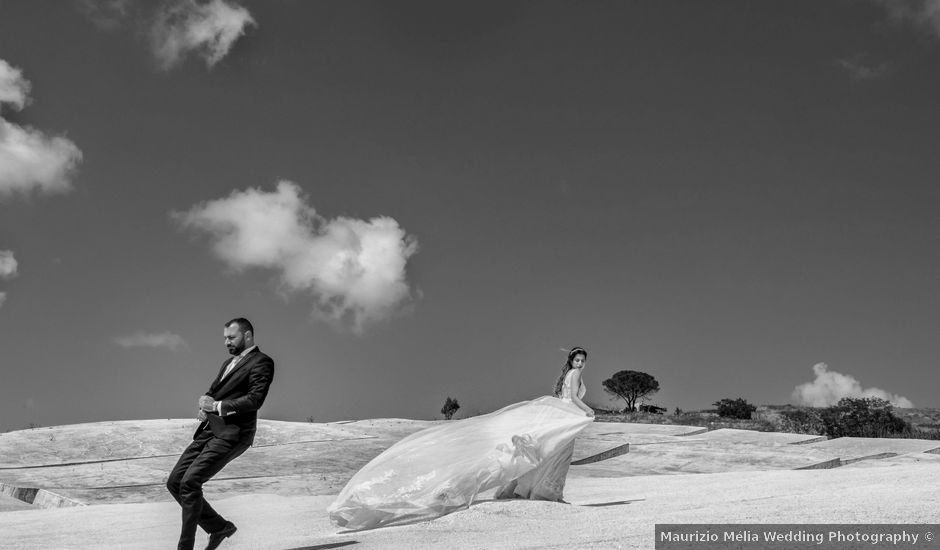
(575, 386)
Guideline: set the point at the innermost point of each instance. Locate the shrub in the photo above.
(735, 408)
(450, 407)
(801, 421)
(863, 417)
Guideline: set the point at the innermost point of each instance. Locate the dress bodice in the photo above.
(566, 388)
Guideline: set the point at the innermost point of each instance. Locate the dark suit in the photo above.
(220, 439)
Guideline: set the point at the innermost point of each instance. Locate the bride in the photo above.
(520, 451)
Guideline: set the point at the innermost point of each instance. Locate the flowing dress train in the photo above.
(547, 480)
(444, 468)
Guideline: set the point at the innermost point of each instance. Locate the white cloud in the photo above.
(8, 268)
(14, 89)
(858, 69)
(830, 386)
(28, 158)
(168, 340)
(922, 13)
(31, 160)
(8, 264)
(206, 28)
(175, 28)
(353, 268)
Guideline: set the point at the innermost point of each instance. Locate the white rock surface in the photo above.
(614, 503)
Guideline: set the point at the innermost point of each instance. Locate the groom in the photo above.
(229, 414)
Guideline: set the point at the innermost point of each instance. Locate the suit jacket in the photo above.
(241, 394)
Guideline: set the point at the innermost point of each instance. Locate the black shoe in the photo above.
(215, 539)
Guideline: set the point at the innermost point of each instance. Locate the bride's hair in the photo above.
(575, 351)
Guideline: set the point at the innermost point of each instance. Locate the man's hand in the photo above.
(201, 415)
(205, 403)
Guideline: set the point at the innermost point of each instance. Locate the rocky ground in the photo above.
(625, 479)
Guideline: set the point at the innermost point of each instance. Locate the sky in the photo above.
(420, 199)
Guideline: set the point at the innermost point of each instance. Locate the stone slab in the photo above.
(751, 437)
(848, 448)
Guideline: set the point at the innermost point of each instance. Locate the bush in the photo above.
(450, 407)
(735, 408)
(863, 417)
(801, 421)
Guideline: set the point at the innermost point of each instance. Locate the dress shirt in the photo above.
(229, 369)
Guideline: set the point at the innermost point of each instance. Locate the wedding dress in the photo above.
(524, 448)
(547, 480)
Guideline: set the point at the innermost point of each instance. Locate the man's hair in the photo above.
(244, 325)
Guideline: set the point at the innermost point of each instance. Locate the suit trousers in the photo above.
(204, 458)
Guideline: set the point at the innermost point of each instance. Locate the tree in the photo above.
(631, 385)
(450, 407)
